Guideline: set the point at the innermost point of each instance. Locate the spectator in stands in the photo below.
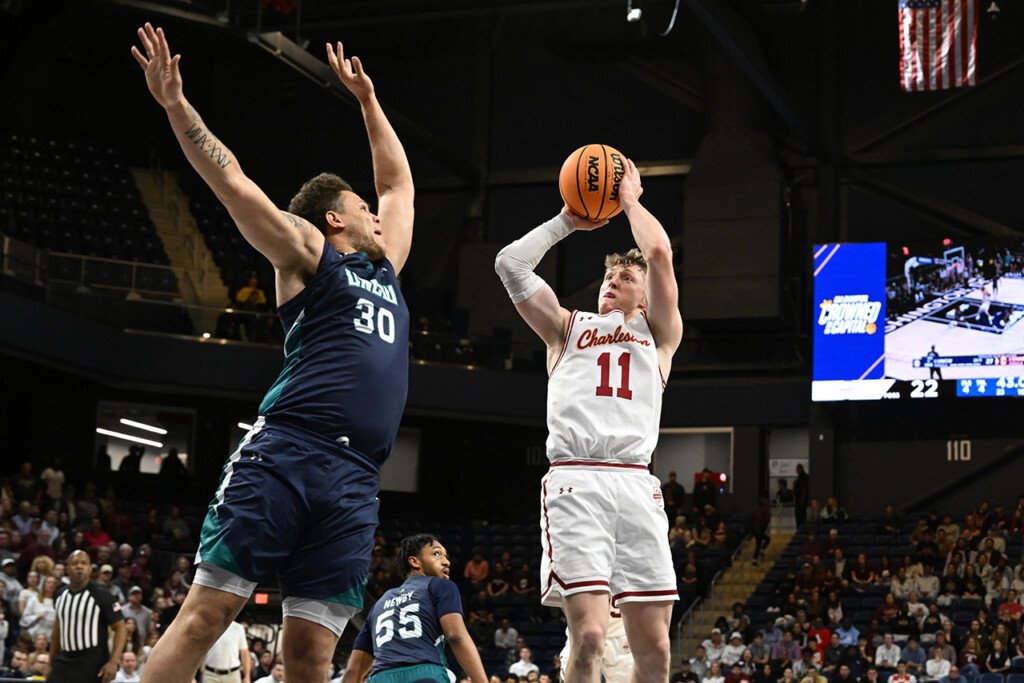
(861, 574)
(10, 587)
(998, 660)
(833, 512)
(760, 522)
(132, 463)
(832, 544)
(142, 615)
(954, 676)
(891, 523)
(174, 527)
(128, 670)
(811, 547)
(714, 674)
(23, 520)
(477, 571)
(814, 512)
(760, 654)
(783, 494)
(901, 675)
(700, 664)
(497, 586)
(39, 614)
(903, 626)
(972, 586)
(937, 667)
(141, 574)
(134, 641)
(733, 651)
(252, 300)
(944, 642)
(276, 674)
(870, 675)
(888, 654)
(801, 494)
(812, 676)
(832, 656)
(685, 673)
(525, 581)
(970, 660)
(901, 585)
(26, 485)
(705, 492)
(713, 646)
(53, 480)
(915, 657)
(505, 635)
(737, 675)
(18, 665)
(525, 664)
(771, 633)
(786, 649)
(264, 665)
(674, 496)
(848, 633)
(95, 535)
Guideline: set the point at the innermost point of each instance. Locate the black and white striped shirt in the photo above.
(85, 617)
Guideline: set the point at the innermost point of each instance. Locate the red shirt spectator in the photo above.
(477, 569)
(95, 534)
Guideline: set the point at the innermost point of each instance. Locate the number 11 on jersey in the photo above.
(604, 361)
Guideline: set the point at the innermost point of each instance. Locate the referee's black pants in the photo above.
(77, 667)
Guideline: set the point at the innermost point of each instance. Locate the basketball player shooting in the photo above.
(604, 530)
(299, 496)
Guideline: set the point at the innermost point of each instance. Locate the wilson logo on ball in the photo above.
(589, 181)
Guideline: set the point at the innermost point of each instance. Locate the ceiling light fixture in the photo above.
(129, 437)
(142, 425)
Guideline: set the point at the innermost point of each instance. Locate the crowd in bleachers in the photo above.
(880, 598)
(140, 553)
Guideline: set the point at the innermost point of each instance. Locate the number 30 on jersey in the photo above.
(382, 321)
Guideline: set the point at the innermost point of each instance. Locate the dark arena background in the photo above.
(763, 129)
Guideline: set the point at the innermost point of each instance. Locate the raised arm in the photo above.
(462, 646)
(391, 174)
(534, 298)
(662, 289)
(290, 243)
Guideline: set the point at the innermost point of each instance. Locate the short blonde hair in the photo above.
(633, 257)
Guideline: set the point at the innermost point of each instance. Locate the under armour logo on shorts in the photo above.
(562, 489)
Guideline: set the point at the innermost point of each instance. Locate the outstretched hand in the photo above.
(350, 72)
(162, 75)
(581, 223)
(630, 187)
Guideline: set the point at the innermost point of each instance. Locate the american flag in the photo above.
(938, 40)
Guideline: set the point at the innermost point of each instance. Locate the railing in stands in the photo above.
(131, 277)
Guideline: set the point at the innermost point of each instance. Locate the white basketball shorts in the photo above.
(603, 528)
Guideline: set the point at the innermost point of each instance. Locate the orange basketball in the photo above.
(589, 181)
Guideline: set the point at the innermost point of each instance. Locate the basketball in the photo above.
(589, 181)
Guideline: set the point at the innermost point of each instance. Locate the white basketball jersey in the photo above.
(604, 393)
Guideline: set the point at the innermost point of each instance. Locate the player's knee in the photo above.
(590, 642)
(203, 624)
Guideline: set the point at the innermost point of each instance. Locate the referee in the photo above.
(85, 613)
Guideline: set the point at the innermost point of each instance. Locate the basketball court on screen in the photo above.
(954, 332)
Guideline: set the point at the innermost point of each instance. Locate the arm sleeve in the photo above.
(446, 597)
(363, 640)
(515, 263)
(107, 604)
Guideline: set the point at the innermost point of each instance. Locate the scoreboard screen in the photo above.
(918, 321)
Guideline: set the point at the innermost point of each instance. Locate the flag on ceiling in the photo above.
(938, 44)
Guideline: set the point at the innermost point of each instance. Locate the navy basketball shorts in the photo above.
(298, 505)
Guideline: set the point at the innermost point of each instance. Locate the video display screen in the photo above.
(921, 320)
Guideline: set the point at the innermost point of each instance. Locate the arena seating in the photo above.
(70, 197)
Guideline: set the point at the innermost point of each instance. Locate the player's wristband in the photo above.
(515, 263)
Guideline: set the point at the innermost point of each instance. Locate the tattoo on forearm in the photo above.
(206, 142)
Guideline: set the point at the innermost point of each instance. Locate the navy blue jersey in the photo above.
(404, 627)
(346, 371)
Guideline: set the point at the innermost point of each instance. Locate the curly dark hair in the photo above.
(411, 547)
(316, 197)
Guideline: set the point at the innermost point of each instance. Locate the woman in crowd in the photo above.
(39, 613)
